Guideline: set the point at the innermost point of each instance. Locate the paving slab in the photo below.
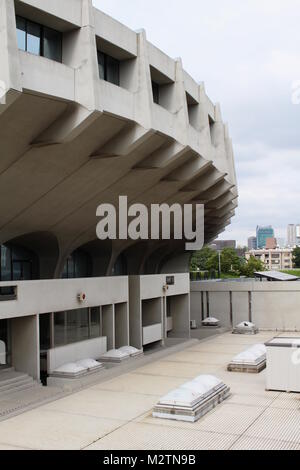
(139, 436)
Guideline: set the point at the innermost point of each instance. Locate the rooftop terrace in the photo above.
(116, 414)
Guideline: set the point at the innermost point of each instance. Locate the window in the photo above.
(120, 267)
(95, 322)
(39, 40)
(18, 264)
(109, 68)
(21, 33)
(74, 326)
(155, 91)
(52, 44)
(78, 265)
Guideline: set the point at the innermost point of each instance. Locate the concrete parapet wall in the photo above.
(270, 305)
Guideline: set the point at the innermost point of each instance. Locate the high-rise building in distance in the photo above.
(262, 233)
(293, 235)
(252, 243)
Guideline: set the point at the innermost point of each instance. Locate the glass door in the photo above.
(5, 344)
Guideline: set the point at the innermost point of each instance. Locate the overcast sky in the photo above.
(247, 53)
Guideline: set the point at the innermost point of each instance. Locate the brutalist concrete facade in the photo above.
(70, 141)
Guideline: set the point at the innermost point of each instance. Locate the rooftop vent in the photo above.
(253, 360)
(211, 322)
(192, 400)
(245, 328)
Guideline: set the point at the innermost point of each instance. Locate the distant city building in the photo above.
(291, 235)
(298, 235)
(222, 244)
(274, 260)
(252, 243)
(262, 233)
(271, 244)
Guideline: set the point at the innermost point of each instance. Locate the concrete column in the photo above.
(108, 325)
(181, 315)
(135, 312)
(182, 114)
(143, 95)
(218, 141)
(26, 345)
(10, 72)
(122, 325)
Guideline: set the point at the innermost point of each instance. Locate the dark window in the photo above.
(109, 68)
(95, 322)
(52, 44)
(121, 268)
(78, 265)
(18, 264)
(101, 64)
(39, 40)
(155, 91)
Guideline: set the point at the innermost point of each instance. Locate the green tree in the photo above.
(230, 261)
(199, 259)
(252, 266)
(296, 257)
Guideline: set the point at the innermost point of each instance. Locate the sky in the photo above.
(247, 53)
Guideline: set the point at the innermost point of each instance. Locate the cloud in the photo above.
(248, 55)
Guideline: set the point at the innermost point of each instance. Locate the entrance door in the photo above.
(5, 344)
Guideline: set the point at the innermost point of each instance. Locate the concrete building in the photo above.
(262, 234)
(274, 259)
(91, 110)
(293, 235)
(222, 244)
(271, 244)
(252, 243)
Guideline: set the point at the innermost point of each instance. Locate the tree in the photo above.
(296, 257)
(200, 258)
(252, 266)
(230, 261)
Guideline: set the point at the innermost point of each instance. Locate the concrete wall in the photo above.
(26, 345)
(91, 349)
(147, 305)
(108, 325)
(270, 305)
(35, 297)
(121, 325)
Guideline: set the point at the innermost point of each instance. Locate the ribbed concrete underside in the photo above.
(54, 189)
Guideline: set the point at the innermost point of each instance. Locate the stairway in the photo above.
(12, 382)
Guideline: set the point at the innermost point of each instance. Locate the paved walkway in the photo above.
(116, 414)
